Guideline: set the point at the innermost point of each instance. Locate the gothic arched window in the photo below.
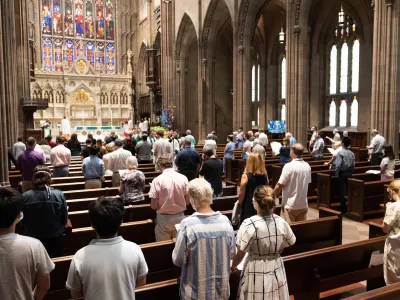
(255, 91)
(343, 76)
(73, 28)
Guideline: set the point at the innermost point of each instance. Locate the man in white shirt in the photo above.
(18, 148)
(141, 126)
(336, 136)
(25, 265)
(294, 181)
(210, 143)
(160, 147)
(117, 161)
(263, 138)
(145, 125)
(376, 148)
(60, 158)
(109, 267)
(312, 140)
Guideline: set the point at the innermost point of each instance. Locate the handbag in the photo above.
(237, 211)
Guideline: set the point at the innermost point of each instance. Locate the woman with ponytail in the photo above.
(45, 212)
(263, 237)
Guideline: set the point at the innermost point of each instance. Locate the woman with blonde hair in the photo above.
(263, 253)
(132, 183)
(391, 226)
(254, 175)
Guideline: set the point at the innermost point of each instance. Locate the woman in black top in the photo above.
(45, 212)
(254, 175)
(74, 145)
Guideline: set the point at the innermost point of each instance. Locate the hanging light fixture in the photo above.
(341, 16)
(282, 34)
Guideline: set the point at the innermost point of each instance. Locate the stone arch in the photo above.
(141, 68)
(186, 56)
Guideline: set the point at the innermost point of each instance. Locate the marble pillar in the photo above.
(385, 67)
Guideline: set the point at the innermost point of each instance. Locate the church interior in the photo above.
(103, 67)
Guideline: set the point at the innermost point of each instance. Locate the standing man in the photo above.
(312, 140)
(160, 147)
(109, 267)
(318, 148)
(25, 265)
(169, 197)
(239, 140)
(65, 127)
(210, 143)
(145, 125)
(345, 163)
(18, 148)
(117, 161)
(336, 136)
(188, 161)
(212, 169)
(93, 169)
(376, 148)
(28, 161)
(294, 181)
(263, 138)
(143, 150)
(60, 158)
(191, 138)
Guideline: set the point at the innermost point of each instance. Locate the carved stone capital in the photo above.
(241, 49)
(373, 4)
(389, 2)
(296, 30)
(178, 70)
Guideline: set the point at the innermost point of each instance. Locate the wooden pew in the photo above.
(80, 200)
(309, 274)
(364, 199)
(327, 185)
(142, 212)
(390, 292)
(157, 256)
(376, 230)
(141, 232)
(78, 179)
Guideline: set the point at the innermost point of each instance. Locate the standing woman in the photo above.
(263, 258)
(229, 150)
(45, 212)
(74, 145)
(254, 175)
(246, 147)
(284, 151)
(387, 164)
(132, 183)
(391, 226)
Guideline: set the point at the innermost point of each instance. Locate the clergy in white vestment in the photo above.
(141, 126)
(65, 126)
(145, 125)
(130, 124)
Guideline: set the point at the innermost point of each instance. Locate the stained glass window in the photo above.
(344, 68)
(343, 114)
(283, 78)
(253, 84)
(283, 112)
(344, 74)
(47, 55)
(332, 113)
(78, 28)
(354, 112)
(333, 71)
(355, 67)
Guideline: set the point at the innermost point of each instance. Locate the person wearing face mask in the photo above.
(263, 253)
(204, 247)
(24, 263)
(376, 148)
(45, 212)
(336, 136)
(391, 226)
(229, 150)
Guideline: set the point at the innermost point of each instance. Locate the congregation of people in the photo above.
(207, 249)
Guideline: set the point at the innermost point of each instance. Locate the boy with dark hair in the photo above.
(24, 264)
(109, 267)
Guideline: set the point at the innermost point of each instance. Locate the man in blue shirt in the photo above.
(93, 169)
(188, 161)
(319, 146)
(292, 140)
(345, 163)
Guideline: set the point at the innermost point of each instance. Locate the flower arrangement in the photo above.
(167, 117)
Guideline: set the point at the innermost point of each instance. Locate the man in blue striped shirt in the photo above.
(204, 247)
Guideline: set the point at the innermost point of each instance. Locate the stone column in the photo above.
(385, 67)
(167, 52)
(297, 102)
